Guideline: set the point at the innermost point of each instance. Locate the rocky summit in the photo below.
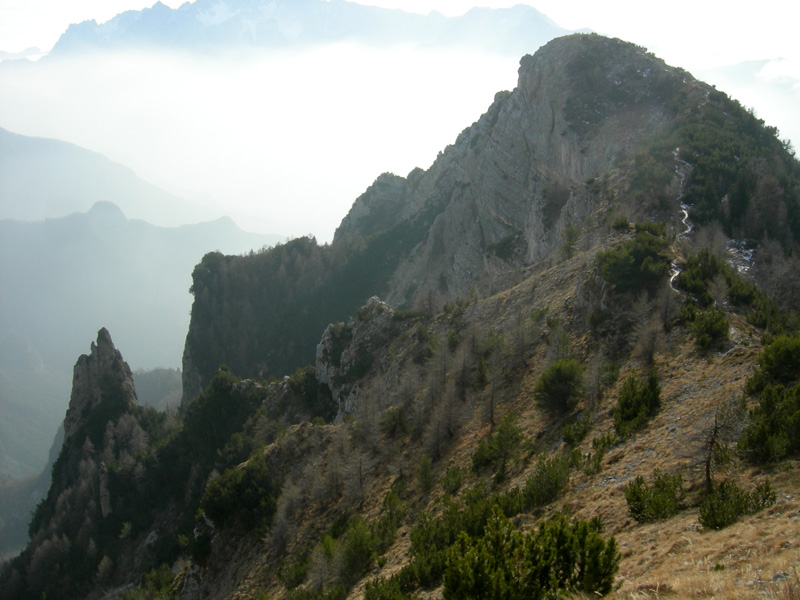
(99, 379)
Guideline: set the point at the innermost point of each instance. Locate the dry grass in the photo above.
(756, 557)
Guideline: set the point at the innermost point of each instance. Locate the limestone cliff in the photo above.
(513, 181)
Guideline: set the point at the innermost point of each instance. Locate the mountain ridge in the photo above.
(496, 200)
(203, 25)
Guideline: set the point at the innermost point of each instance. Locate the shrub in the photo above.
(710, 328)
(452, 478)
(560, 386)
(637, 264)
(385, 589)
(303, 382)
(384, 530)
(574, 432)
(394, 421)
(621, 224)
(774, 429)
(727, 502)
(424, 475)
(453, 339)
(545, 482)
(246, 493)
(660, 500)
(499, 448)
(357, 548)
(505, 563)
(779, 362)
(291, 573)
(600, 445)
(638, 401)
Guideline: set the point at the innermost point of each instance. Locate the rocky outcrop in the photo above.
(347, 351)
(101, 377)
(94, 468)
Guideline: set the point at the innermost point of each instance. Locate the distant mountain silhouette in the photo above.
(284, 23)
(43, 178)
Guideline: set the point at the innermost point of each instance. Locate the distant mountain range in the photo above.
(282, 23)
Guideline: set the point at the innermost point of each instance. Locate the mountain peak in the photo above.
(106, 211)
(101, 378)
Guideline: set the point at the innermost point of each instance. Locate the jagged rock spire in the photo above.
(96, 378)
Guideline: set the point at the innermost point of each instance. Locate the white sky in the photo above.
(286, 147)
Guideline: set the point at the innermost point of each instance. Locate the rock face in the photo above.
(99, 377)
(514, 180)
(347, 350)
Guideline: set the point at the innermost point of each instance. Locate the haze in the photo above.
(283, 142)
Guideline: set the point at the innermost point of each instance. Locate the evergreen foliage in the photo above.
(778, 363)
(574, 431)
(499, 448)
(544, 484)
(728, 148)
(727, 502)
(710, 328)
(773, 432)
(637, 402)
(560, 387)
(312, 397)
(505, 564)
(452, 479)
(247, 493)
(637, 264)
(660, 500)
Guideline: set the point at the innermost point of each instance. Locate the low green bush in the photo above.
(452, 479)
(661, 499)
(292, 572)
(638, 264)
(499, 448)
(574, 431)
(561, 386)
(710, 328)
(560, 556)
(773, 432)
(727, 502)
(637, 402)
(247, 494)
(546, 481)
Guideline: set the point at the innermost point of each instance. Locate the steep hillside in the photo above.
(605, 402)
